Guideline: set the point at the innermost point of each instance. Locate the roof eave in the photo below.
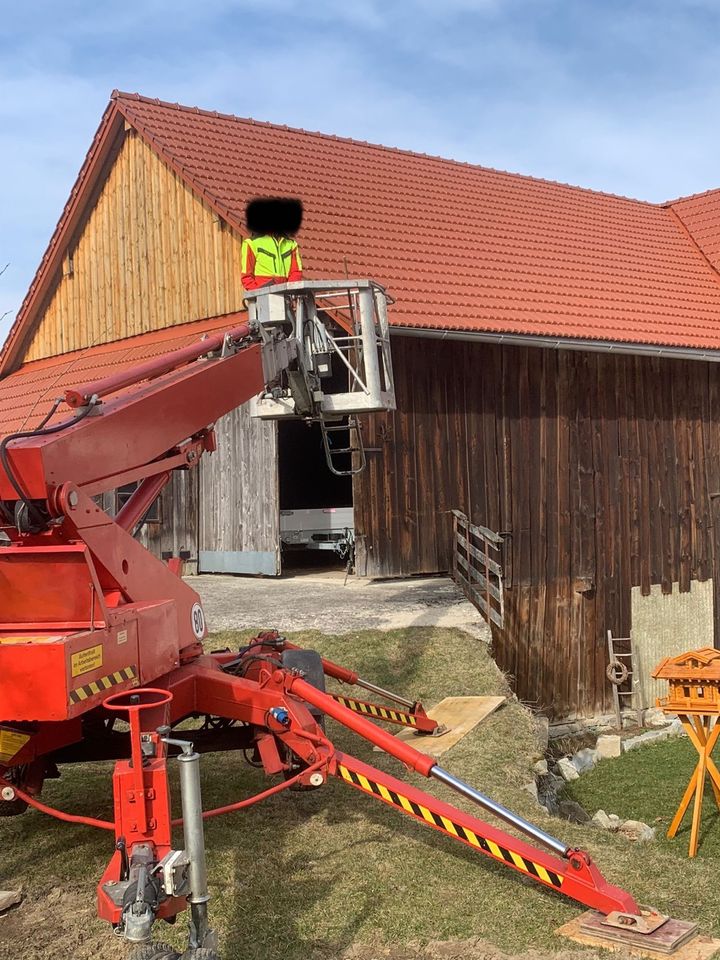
(562, 343)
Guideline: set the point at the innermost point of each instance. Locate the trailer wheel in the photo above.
(13, 808)
(154, 951)
(309, 663)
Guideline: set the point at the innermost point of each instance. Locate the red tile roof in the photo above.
(701, 215)
(26, 396)
(460, 247)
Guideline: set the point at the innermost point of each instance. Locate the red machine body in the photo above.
(89, 616)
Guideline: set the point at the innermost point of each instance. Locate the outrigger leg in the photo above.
(568, 870)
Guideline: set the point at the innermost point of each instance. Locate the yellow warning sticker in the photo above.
(86, 660)
(30, 638)
(11, 743)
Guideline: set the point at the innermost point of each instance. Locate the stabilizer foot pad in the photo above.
(676, 938)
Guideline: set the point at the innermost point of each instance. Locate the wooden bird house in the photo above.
(694, 682)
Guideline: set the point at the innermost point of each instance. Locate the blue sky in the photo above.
(619, 96)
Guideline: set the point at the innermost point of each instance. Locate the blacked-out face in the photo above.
(279, 216)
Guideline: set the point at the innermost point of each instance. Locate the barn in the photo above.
(555, 353)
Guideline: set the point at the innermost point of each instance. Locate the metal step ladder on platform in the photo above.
(355, 449)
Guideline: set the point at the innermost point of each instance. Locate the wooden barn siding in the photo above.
(179, 514)
(151, 255)
(600, 466)
(239, 509)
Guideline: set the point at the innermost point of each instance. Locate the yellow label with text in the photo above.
(84, 661)
(11, 743)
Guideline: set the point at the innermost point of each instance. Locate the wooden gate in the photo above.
(476, 567)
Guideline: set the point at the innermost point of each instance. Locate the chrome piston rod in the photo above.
(381, 692)
(499, 811)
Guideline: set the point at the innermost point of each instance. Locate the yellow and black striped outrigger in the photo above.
(416, 718)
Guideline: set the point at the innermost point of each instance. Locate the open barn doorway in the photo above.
(316, 506)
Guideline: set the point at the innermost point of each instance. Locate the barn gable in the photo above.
(150, 254)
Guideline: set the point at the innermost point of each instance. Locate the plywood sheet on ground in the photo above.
(460, 715)
(700, 947)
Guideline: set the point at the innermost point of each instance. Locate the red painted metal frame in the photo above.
(411, 717)
(577, 877)
(415, 718)
(151, 369)
(139, 623)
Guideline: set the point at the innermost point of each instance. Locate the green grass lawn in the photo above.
(648, 784)
(307, 875)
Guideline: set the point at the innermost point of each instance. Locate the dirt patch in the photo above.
(62, 922)
(473, 949)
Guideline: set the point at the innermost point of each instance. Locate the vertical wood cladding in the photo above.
(239, 509)
(150, 255)
(601, 467)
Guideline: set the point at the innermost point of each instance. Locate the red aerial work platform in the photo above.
(94, 627)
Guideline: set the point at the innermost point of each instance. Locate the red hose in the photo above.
(58, 814)
(271, 791)
(218, 811)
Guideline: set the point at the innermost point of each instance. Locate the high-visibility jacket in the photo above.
(269, 259)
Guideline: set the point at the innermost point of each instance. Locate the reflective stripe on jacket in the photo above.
(269, 259)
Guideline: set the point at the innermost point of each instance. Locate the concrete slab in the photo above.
(329, 604)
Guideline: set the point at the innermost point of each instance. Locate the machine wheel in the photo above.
(200, 953)
(154, 951)
(309, 663)
(13, 808)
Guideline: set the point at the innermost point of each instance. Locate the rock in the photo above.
(542, 732)
(608, 746)
(585, 759)
(565, 730)
(654, 717)
(9, 898)
(566, 770)
(645, 739)
(569, 810)
(541, 768)
(603, 821)
(637, 831)
(549, 789)
(676, 728)
(615, 821)
(531, 789)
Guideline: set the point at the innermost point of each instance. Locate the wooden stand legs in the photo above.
(703, 733)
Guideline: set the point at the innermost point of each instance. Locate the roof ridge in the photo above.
(691, 196)
(155, 101)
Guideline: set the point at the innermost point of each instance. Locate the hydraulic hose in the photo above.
(207, 815)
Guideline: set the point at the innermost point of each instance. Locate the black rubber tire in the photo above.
(310, 663)
(200, 953)
(13, 808)
(153, 951)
